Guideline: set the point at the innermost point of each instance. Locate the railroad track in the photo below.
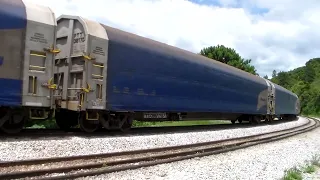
(89, 165)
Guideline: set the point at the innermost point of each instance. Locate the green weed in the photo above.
(293, 174)
(316, 160)
(309, 169)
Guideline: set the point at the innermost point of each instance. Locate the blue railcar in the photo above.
(287, 103)
(27, 34)
(160, 77)
(105, 76)
(12, 22)
(113, 76)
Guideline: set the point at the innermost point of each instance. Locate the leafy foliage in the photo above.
(305, 82)
(228, 56)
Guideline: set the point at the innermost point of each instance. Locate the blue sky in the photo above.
(207, 2)
(233, 4)
(280, 35)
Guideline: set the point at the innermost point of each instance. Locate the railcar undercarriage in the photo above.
(13, 120)
(90, 121)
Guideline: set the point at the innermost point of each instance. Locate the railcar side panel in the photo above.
(144, 75)
(286, 101)
(12, 28)
(38, 56)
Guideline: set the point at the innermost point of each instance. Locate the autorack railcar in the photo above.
(108, 77)
(27, 36)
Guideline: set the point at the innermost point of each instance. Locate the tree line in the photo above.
(303, 81)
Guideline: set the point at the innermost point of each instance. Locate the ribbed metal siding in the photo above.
(173, 79)
(285, 101)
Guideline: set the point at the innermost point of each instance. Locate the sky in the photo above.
(276, 34)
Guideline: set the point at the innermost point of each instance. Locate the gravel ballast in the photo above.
(265, 161)
(22, 148)
(312, 176)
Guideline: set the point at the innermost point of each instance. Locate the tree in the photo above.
(274, 73)
(266, 77)
(305, 82)
(284, 80)
(228, 56)
(309, 74)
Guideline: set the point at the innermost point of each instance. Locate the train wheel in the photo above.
(126, 123)
(4, 115)
(88, 126)
(240, 121)
(65, 120)
(14, 123)
(233, 121)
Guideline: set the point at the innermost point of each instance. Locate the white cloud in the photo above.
(283, 38)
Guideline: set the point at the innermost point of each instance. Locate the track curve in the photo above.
(88, 165)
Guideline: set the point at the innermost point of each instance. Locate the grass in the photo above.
(311, 115)
(296, 173)
(316, 160)
(42, 124)
(315, 115)
(293, 174)
(50, 124)
(178, 123)
(309, 169)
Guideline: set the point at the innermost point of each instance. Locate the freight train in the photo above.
(95, 76)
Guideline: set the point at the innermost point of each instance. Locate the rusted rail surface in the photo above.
(88, 165)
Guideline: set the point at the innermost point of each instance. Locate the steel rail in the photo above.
(118, 161)
(102, 155)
